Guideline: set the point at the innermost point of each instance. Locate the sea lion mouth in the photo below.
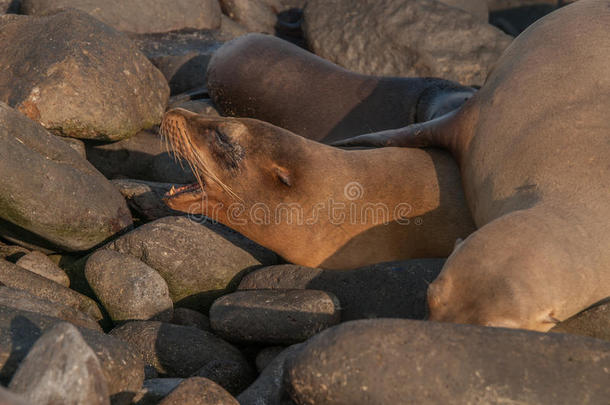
(187, 189)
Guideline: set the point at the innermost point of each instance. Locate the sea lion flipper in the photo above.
(411, 136)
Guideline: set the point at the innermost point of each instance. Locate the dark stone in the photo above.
(139, 16)
(61, 367)
(199, 262)
(269, 387)
(155, 389)
(199, 391)
(385, 361)
(49, 195)
(409, 38)
(174, 350)
(274, 316)
(15, 277)
(78, 77)
(143, 157)
(19, 299)
(127, 288)
(145, 198)
(266, 356)
(230, 375)
(19, 330)
(384, 290)
(190, 317)
(593, 322)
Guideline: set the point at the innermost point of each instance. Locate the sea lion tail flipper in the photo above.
(420, 135)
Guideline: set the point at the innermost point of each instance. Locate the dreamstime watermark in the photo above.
(353, 209)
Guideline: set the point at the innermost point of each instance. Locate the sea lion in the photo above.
(533, 147)
(313, 204)
(263, 77)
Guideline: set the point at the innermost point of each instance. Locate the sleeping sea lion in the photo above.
(533, 146)
(313, 204)
(263, 77)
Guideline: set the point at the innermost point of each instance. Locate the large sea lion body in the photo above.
(313, 204)
(263, 77)
(533, 147)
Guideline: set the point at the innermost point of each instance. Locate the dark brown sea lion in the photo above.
(533, 147)
(314, 204)
(266, 78)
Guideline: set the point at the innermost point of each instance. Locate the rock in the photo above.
(76, 144)
(230, 375)
(384, 361)
(199, 262)
(19, 330)
(204, 107)
(384, 290)
(78, 77)
(254, 15)
(199, 391)
(478, 8)
(145, 198)
(15, 277)
(50, 196)
(182, 57)
(139, 16)
(12, 252)
(269, 387)
(61, 367)
(190, 317)
(24, 301)
(266, 356)
(9, 6)
(593, 322)
(39, 263)
(9, 398)
(174, 350)
(404, 38)
(143, 157)
(127, 288)
(274, 316)
(155, 389)
(231, 29)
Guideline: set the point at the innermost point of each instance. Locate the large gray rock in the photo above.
(22, 300)
(127, 288)
(390, 361)
(274, 316)
(15, 277)
(199, 262)
(140, 16)
(78, 77)
(199, 391)
(144, 156)
(174, 350)
(404, 38)
(49, 195)
(384, 290)
(19, 330)
(593, 322)
(61, 368)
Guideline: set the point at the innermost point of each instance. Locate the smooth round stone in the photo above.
(266, 356)
(19, 299)
(190, 317)
(199, 391)
(61, 365)
(231, 376)
(386, 361)
(39, 263)
(121, 364)
(174, 350)
(274, 316)
(128, 288)
(383, 290)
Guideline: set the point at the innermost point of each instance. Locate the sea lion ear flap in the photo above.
(283, 175)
